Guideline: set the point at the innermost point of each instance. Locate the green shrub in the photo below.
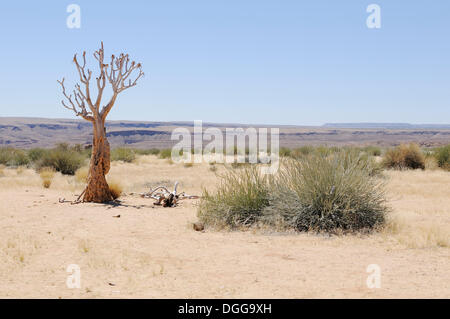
(302, 151)
(327, 193)
(238, 201)
(332, 192)
(13, 157)
(165, 153)
(404, 156)
(123, 154)
(64, 160)
(20, 158)
(5, 155)
(284, 152)
(151, 151)
(35, 154)
(443, 157)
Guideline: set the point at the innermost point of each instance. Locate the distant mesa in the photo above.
(387, 126)
(43, 132)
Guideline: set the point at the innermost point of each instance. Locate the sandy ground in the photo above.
(153, 252)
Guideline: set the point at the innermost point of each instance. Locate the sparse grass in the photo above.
(165, 154)
(423, 235)
(372, 150)
(431, 163)
(302, 151)
(81, 175)
(2, 170)
(187, 165)
(415, 242)
(116, 188)
(13, 157)
(84, 245)
(151, 151)
(47, 174)
(443, 157)
(284, 152)
(123, 154)
(238, 201)
(237, 165)
(404, 157)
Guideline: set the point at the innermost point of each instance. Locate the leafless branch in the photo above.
(79, 107)
(120, 73)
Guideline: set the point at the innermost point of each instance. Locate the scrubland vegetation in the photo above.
(68, 159)
(323, 191)
(142, 249)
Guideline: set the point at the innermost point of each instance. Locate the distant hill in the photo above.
(42, 132)
(388, 125)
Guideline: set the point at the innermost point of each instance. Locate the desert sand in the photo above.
(153, 252)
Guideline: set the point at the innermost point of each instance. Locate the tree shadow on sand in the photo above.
(117, 203)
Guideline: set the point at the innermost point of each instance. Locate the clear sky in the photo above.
(244, 61)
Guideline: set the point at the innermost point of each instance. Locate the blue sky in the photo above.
(258, 62)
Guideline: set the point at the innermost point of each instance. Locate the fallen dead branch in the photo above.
(167, 198)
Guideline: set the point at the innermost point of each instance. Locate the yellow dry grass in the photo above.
(148, 251)
(421, 208)
(81, 175)
(46, 175)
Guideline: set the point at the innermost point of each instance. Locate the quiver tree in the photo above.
(120, 74)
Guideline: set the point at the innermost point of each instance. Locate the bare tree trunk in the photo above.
(119, 74)
(97, 189)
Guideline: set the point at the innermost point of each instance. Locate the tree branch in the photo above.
(120, 73)
(84, 78)
(79, 98)
(101, 79)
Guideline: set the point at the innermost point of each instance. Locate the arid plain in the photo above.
(139, 250)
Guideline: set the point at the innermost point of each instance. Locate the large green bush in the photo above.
(319, 192)
(63, 159)
(327, 193)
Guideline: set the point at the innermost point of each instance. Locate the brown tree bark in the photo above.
(97, 189)
(118, 74)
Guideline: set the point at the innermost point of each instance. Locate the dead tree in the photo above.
(121, 74)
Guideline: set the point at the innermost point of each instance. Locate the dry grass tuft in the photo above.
(431, 163)
(81, 175)
(417, 235)
(47, 174)
(404, 157)
(116, 188)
